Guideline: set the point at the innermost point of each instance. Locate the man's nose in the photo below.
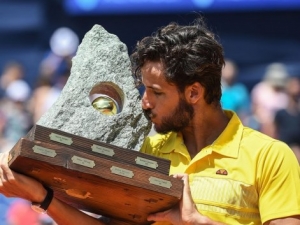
(145, 101)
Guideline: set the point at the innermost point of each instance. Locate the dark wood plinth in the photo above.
(97, 183)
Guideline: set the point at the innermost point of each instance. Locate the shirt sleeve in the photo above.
(278, 182)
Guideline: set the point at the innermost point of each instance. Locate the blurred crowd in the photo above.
(272, 106)
(21, 106)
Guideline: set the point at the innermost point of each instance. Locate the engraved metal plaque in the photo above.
(146, 162)
(122, 172)
(103, 150)
(61, 139)
(160, 182)
(44, 151)
(83, 161)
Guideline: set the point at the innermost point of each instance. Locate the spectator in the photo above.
(12, 71)
(268, 96)
(18, 120)
(63, 46)
(287, 120)
(43, 97)
(235, 95)
(14, 120)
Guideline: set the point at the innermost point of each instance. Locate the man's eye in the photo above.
(157, 93)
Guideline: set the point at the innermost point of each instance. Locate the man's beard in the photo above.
(177, 121)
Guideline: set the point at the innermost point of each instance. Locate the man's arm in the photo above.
(64, 214)
(185, 213)
(293, 220)
(17, 185)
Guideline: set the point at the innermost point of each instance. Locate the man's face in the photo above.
(176, 120)
(161, 101)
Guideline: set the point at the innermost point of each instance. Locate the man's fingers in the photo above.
(6, 173)
(179, 175)
(4, 158)
(185, 178)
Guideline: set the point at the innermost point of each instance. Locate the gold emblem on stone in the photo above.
(107, 98)
(105, 105)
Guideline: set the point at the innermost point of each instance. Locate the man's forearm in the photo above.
(64, 214)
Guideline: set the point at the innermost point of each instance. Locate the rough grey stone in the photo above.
(101, 57)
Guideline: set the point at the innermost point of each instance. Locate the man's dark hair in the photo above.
(189, 54)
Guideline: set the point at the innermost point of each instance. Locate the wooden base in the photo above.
(113, 188)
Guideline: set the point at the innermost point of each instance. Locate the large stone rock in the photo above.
(101, 58)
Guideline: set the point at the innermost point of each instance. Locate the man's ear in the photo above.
(194, 92)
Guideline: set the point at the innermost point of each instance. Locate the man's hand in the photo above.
(183, 213)
(16, 185)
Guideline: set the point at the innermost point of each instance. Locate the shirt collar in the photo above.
(228, 142)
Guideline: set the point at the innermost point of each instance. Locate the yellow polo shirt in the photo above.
(244, 177)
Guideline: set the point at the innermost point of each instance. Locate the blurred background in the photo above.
(38, 38)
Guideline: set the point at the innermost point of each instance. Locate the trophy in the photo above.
(85, 147)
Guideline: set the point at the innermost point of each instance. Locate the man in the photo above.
(231, 174)
(235, 96)
(287, 120)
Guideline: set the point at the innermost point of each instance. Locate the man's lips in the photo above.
(148, 114)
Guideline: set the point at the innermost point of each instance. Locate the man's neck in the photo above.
(204, 130)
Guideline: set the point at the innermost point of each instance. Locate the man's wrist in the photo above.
(42, 206)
